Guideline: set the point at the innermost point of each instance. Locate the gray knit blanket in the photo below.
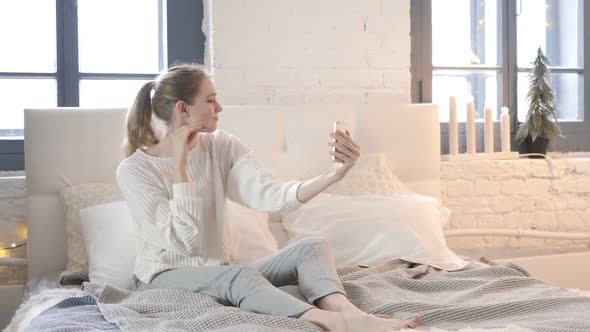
(478, 296)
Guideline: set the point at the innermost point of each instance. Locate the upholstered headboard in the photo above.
(83, 145)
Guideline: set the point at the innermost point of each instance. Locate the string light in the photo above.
(14, 246)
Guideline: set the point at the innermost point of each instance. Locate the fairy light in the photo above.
(13, 245)
(6, 252)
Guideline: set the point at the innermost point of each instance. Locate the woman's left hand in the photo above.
(347, 153)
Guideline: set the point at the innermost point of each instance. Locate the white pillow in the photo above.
(109, 238)
(372, 229)
(77, 197)
(251, 238)
(370, 175)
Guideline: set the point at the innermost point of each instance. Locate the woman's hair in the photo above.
(180, 82)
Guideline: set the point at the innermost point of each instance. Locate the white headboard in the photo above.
(83, 146)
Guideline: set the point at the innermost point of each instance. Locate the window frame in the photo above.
(178, 21)
(576, 132)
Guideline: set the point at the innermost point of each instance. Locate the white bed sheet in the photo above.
(41, 293)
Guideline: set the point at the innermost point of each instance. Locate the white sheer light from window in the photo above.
(118, 36)
(109, 93)
(18, 94)
(456, 37)
(461, 84)
(28, 36)
(452, 33)
(557, 30)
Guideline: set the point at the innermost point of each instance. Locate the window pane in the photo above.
(569, 95)
(21, 93)
(118, 36)
(554, 25)
(465, 32)
(109, 93)
(28, 36)
(479, 87)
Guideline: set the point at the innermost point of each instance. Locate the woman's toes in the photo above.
(381, 315)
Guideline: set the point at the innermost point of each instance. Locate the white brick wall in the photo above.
(310, 51)
(524, 193)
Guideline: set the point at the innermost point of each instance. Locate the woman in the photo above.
(176, 188)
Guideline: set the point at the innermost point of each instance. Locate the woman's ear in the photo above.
(180, 112)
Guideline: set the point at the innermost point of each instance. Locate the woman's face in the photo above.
(204, 108)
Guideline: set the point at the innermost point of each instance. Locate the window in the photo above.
(28, 72)
(104, 66)
(555, 26)
(481, 51)
(465, 58)
(86, 53)
(115, 59)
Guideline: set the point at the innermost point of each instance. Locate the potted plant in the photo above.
(540, 125)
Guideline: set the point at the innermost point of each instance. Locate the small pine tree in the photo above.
(541, 118)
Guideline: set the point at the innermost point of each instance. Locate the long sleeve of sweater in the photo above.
(252, 185)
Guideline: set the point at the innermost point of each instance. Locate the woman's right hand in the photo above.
(183, 140)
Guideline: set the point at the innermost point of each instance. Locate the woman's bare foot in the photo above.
(355, 322)
(368, 322)
(416, 317)
(339, 303)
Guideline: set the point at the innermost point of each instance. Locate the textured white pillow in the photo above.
(109, 239)
(74, 198)
(251, 238)
(370, 175)
(372, 229)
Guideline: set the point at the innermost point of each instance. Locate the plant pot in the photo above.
(538, 146)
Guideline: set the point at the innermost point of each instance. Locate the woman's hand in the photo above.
(183, 139)
(347, 153)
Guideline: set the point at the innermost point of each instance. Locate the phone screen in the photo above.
(342, 126)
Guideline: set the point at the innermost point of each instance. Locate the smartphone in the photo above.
(342, 126)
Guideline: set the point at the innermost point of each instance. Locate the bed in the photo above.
(76, 145)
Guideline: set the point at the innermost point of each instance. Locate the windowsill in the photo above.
(12, 138)
(512, 156)
(570, 155)
(498, 121)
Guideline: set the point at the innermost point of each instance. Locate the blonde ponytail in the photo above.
(140, 133)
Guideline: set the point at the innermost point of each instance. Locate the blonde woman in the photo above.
(176, 183)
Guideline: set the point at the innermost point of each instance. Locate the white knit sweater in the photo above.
(182, 224)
